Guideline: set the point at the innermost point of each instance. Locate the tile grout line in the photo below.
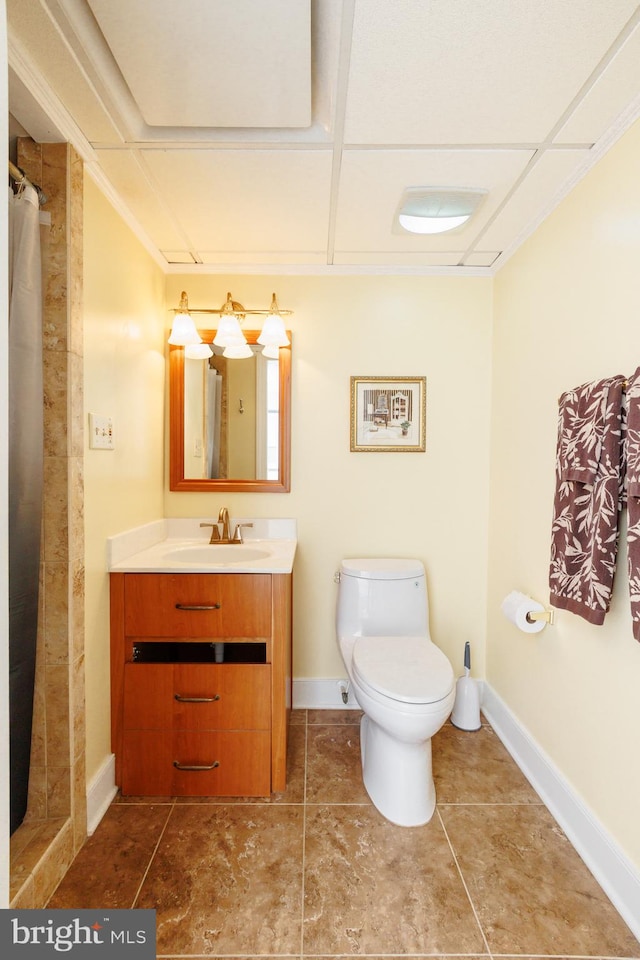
(464, 884)
(153, 854)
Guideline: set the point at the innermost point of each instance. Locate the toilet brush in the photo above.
(466, 708)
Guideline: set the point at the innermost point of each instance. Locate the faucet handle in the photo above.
(237, 533)
(215, 532)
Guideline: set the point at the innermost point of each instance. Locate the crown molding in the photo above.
(621, 125)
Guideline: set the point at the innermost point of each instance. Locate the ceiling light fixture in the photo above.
(431, 210)
(229, 333)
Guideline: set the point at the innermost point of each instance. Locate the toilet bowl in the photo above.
(402, 681)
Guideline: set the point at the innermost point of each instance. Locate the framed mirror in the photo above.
(230, 421)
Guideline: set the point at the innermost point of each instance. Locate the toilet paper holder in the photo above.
(525, 613)
(546, 615)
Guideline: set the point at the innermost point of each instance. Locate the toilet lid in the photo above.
(381, 569)
(410, 669)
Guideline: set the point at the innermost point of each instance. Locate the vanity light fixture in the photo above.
(229, 333)
(271, 352)
(273, 332)
(237, 351)
(183, 331)
(431, 210)
(198, 351)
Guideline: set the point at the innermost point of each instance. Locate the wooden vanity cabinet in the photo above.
(181, 724)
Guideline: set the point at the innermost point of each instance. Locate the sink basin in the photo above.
(218, 553)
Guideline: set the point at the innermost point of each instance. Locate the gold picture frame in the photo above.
(388, 414)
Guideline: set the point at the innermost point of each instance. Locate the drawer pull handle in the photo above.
(195, 766)
(182, 699)
(197, 606)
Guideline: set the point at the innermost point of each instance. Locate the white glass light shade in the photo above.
(229, 333)
(431, 224)
(183, 331)
(237, 352)
(198, 351)
(429, 210)
(272, 352)
(273, 333)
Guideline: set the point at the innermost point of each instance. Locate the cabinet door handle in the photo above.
(197, 606)
(195, 766)
(181, 699)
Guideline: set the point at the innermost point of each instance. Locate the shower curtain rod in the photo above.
(21, 178)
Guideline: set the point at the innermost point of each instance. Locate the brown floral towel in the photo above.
(584, 536)
(583, 414)
(633, 496)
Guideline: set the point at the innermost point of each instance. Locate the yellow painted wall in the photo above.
(429, 505)
(124, 370)
(476, 507)
(567, 310)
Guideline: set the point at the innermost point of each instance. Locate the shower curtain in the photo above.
(25, 480)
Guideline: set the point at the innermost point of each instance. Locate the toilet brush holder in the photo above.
(466, 707)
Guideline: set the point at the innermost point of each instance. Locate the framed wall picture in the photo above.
(388, 415)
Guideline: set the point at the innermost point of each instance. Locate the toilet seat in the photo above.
(406, 669)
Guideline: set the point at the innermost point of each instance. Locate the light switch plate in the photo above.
(101, 435)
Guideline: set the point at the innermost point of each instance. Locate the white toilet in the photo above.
(403, 683)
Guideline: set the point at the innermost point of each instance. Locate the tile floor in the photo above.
(317, 872)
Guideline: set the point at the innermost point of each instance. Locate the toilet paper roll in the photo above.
(516, 606)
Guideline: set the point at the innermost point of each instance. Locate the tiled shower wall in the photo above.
(55, 825)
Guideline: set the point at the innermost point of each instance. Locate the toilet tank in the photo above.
(378, 598)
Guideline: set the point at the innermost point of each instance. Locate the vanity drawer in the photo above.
(197, 696)
(197, 605)
(232, 764)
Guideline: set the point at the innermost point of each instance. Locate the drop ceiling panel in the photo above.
(246, 200)
(484, 259)
(546, 179)
(211, 63)
(372, 182)
(177, 256)
(40, 44)
(128, 179)
(609, 96)
(35, 121)
(263, 258)
(504, 95)
(473, 71)
(443, 258)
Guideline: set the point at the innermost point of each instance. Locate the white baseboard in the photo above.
(321, 695)
(100, 793)
(614, 872)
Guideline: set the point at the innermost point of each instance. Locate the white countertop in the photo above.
(145, 549)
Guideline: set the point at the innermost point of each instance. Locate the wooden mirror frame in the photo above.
(177, 479)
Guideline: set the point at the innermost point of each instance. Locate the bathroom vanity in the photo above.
(201, 668)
